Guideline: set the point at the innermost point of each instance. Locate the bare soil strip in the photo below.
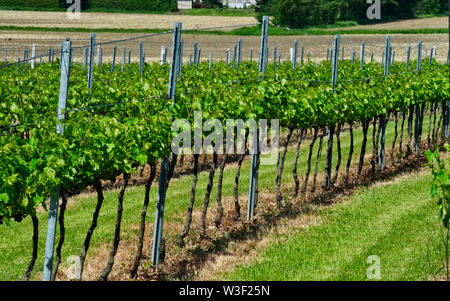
(316, 46)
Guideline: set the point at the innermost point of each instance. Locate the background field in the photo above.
(17, 41)
(116, 20)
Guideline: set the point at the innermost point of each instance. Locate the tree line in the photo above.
(144, 5)
(303, 13)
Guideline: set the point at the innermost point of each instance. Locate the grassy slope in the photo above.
(397, 222)
(15, 240)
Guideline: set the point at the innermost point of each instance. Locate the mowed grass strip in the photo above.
(15, 239)
(397, 222)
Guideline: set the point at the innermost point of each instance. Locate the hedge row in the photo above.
(144, 5)
(303, 13)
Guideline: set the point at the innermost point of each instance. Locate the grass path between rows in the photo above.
(16, 243)
(397, 221)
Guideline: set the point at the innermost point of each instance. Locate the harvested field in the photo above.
(143, 21)
(439, 22)
(16, 41)
(114, 20)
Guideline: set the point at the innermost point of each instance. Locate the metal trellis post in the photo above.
(33, 55)
(255, 156)
(239, 57)
(122, 63)
(335, 60)
(91, 60)
(302, 55)
(417, 107)
(408, 56)
(113, 65)
(54, 198)
(382, 157)
(85, 57)
(141, 58)
(157, 233)
(361, 58)
(195, 53)
(295, 55)
(210, 59)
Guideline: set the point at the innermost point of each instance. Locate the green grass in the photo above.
(15, 239)
(397, 222)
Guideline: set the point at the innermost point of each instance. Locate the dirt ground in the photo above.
(316, 46)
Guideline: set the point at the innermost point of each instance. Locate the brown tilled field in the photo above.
(139, 21)
(16, 41)
(114, 20)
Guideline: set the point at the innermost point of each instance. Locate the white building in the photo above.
(188, 4)
(239, 3)
(185, 4)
